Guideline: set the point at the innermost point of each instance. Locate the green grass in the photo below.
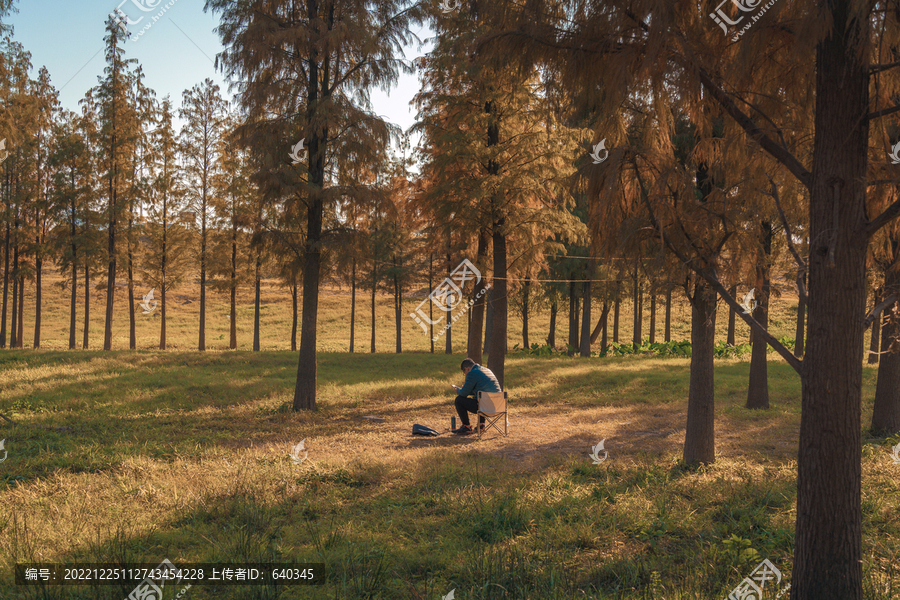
(184, 456)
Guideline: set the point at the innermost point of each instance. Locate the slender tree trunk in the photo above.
(653, 315)
(497, 354)
(319, 74)
(72, 302)
(38, 267)
(476, 323)
(585, 337)
(294, 292)
(758, 389)
(551, 337)
(111, 267)
(398, 308)
(431, 304)
(5, 286)
(232, 343)
(616, 312)
(256, 307)
(638, 310)
(17, 289)
(20, 336)
(828, 540)
(604, 339)
(87, 305)
(14, 321)
(448, 340)
(729, 337)
(668, 332)
(801, 326)
(352, 304)
(886, 412)
(132, 334)
(573, 323)
(374, 287)
(874, 343)
(489, 320)
(201, 344)
(525, 293)
(700, 435)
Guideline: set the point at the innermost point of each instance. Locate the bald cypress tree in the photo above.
(305, 70)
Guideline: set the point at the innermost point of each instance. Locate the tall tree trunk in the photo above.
(20, 336)
(585, 338)
(448, 340)
(232, 326)
(256, 307)
(886, 413)
(497, 354)
(132, 334)
(758, 389)
(573, 321)
(489, 320)
(352, 304)
(14, 324)
(5, 286)
(638, 310)
(201, 343)
(700, 434)
(398, 309)
(729, 337)
(874, 343)
(801, 326)
(604, 339)
(668, 332)
(616, 312)
(87, 305)
(374, 287)
(525, 293)
(38, 267)
(476, 322)
(319, 73)
(653, 315)
(431, 304)
(551, 337)
(14, 321)
(72, 301)
(294, 291)
(111, 266)
(828, 540)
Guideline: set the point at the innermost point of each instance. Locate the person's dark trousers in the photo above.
(466, 405)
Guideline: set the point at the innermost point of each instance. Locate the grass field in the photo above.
(185, 456)
(183, 316)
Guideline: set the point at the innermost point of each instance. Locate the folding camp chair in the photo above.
(492, 406)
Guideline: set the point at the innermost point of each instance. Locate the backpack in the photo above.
(423, 430)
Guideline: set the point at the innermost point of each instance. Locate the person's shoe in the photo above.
(480, 428)
(464, 430)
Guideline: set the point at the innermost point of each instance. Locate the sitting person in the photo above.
(478, 379)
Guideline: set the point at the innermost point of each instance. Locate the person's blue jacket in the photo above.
(479, 379)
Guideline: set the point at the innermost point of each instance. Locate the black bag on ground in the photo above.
(423, 430)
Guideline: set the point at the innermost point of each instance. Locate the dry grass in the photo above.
(185, 456)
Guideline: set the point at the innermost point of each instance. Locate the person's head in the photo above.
(467, 365)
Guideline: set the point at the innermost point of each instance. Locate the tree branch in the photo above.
(711, 278)
(779, 153)
(889, 214)
(801, 264)
(882, 113)
(877, 310)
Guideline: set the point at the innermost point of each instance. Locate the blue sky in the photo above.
(177, 52)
